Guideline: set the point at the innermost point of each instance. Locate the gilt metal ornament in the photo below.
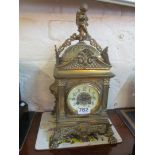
(82, 75)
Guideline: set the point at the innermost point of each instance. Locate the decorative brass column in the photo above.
(61, 100)
(106, 90)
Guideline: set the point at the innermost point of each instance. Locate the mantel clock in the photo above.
(82, 74)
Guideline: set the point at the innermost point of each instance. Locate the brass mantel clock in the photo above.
(82, 74)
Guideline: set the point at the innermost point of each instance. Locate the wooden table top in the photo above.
(124, 148)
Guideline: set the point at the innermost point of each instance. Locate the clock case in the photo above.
(83, 62)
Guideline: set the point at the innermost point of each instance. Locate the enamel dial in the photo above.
(83, 99)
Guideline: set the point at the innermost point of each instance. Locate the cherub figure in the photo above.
(82, 22)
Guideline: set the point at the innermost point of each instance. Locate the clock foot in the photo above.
(112, 140)
(109, 133)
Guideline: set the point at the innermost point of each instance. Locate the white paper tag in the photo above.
(83, 110)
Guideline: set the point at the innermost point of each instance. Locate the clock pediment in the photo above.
(83, 56)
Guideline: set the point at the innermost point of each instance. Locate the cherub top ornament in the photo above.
(82, 22)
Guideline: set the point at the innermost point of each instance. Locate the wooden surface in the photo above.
(124, 148)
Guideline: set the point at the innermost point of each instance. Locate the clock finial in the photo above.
(82, 22)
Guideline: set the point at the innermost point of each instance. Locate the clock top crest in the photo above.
(86, 55)
(82, 74)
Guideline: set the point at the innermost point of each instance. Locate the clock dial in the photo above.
(83, 98)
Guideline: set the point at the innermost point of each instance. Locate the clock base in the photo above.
(82, 132)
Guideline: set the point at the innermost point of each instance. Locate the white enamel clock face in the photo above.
(83, 98)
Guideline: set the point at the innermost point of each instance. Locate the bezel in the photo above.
(95, 109)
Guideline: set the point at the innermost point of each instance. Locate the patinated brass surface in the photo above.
(78, 64)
